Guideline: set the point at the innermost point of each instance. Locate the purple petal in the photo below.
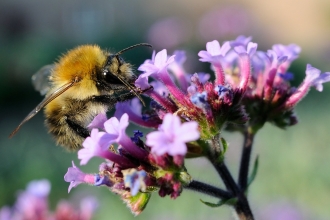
(39, 188)
(91, 146)
(240, 41)
(188, 132)
(180, 56)
(315, 78)
(148, 68)
(74, 176)
(205, 56)
(192, 90)
(240, 49)
(115, 127)
(170, 124)
(225, 48)
(252, 48)
(142, 82)
(98, 121)
(107, 139)
(111, 126)
(312, 73)
(160, 59)
(172, 136)
(177, 148)
(160, 88)
(292, 51)
(102, 180)
(203, 77)
(213, 48)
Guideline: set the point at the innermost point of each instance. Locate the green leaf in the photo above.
(136, 203)
(254, 171)
(231, 202)
(224, 145)
(222, 153)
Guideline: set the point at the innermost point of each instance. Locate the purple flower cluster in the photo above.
(186, 115)
(32, 204)
(134, 168)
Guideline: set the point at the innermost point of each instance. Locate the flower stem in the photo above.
(243, 209)
(209, 190)
(242, 206)
(245, 160)
(227, 178)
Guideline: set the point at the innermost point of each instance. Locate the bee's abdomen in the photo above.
(67, 123)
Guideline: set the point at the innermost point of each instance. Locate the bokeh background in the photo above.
(294, 174)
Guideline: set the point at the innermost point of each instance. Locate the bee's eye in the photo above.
(110, 77)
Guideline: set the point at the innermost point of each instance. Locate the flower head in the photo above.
(214, 52)
(116, 133)
(172, 136)
(117, 128)
(315, 78)
(157, 65)
(75, 177)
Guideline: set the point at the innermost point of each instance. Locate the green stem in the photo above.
(209, 190)
(245, 159)
(242, 206)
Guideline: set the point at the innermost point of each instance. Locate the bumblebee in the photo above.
(85, 82)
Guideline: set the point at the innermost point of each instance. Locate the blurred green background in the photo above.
(294, 174)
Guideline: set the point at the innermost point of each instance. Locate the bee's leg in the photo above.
(111, 100)
(81, 131)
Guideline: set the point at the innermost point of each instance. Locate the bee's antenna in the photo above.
(133, 46)
(122, 80)
(132, 88)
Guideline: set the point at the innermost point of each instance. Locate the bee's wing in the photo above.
(40, 80)
(44, 102)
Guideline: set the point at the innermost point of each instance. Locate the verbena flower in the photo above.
(270, 97)
(33, 204)
(172, 136)
(156, 65)
(75, 177)
(137, 165)
(214, 52)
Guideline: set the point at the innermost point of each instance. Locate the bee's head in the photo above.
(116, 70)
(116, 74)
